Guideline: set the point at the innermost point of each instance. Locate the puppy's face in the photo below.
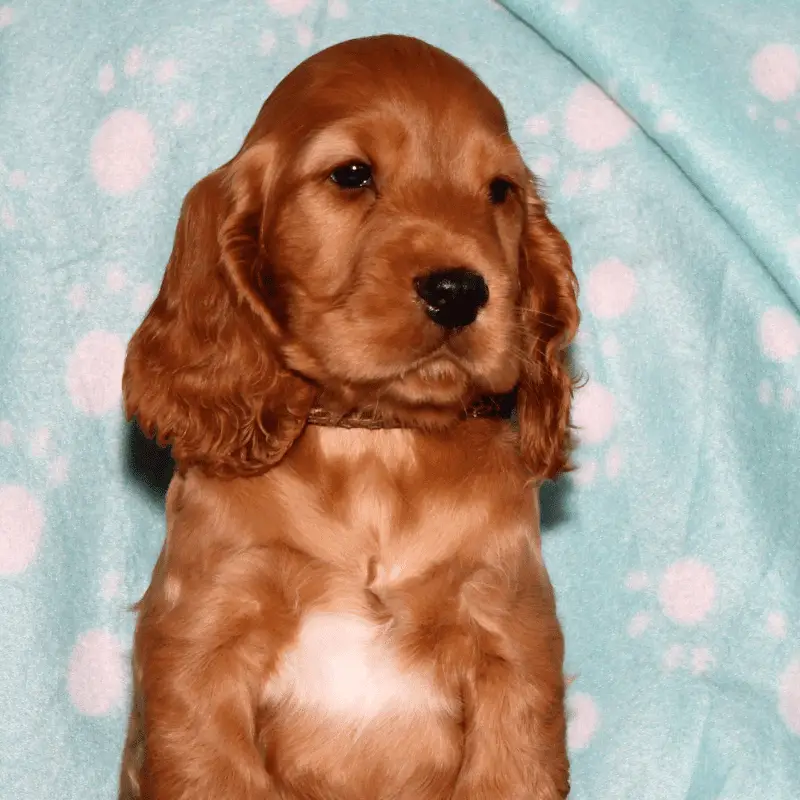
(377, 243)
(395, 236)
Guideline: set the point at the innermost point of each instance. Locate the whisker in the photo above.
(536, 312)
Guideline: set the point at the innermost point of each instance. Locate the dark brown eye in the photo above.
(356, 175)
(499, 189)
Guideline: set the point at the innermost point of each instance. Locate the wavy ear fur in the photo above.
(550, 316)
(202, 372)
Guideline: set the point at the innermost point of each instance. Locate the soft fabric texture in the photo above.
(666, 137)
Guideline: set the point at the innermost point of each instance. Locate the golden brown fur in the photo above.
(354, 614)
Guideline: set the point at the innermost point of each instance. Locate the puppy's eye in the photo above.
(356, 175)
(499, 189)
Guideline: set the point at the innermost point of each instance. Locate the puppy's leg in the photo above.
(205, 646)
(515, 742)
(133, 751)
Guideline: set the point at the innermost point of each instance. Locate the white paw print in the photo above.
(583, 720)
(611, 294)
(583, 163)
(124, 148)
(97, 673)
(778, 330)
(92, 371)
(686, 594)
(31, 466)
(295, 12)
(23, 523)
(775, 77)
(594, 416)
(135, 65)
(783, 633)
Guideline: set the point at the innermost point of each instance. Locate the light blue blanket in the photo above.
(668, 138)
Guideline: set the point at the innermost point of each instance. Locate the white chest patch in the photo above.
(340, 666)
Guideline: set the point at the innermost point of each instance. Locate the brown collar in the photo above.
(490, 407)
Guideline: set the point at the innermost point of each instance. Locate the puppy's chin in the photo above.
(438, 382)
(432, 392)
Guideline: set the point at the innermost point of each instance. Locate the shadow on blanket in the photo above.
(149, 465)
(554, 502)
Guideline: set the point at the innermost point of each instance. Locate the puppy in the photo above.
(351, 603)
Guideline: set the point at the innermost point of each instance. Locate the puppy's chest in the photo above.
(346, 666)
(374, 538)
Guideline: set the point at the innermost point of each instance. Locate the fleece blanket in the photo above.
(667, 136)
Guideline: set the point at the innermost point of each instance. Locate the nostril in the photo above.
(452, 296)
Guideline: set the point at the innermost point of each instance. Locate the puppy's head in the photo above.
(376, 243)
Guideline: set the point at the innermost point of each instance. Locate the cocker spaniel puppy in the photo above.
(351, 603)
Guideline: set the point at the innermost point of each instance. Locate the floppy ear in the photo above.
(202, 372)
(549, 315)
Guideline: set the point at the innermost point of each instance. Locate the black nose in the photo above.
(452, 297)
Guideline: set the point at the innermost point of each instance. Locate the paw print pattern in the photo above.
(593, 124)
(667, 121)
(125, 147)
(577, 141)
(93, 370)
(594, 416)
(775, 77)
(779, 340)
(23, 522)
(686, 595)
(299, 15)
(782, 634)
(583, 720)
(31, 466)
(97, 673)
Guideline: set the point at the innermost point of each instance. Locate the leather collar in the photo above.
(490, 407)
